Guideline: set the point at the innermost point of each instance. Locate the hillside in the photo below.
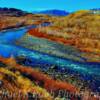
(79, 29)
(15, 18)
(12, 12)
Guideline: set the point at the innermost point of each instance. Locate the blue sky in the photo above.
(68, 5)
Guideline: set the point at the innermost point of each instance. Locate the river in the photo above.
(8, 48)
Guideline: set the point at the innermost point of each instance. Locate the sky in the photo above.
(37, 5)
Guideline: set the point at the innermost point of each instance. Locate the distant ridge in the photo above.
(12, 12)
(52, 12)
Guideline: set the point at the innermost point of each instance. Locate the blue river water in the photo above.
(8, 48)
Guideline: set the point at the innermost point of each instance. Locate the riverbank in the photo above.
(8, 22)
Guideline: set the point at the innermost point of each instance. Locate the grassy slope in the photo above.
(83, 28)
(80, 29)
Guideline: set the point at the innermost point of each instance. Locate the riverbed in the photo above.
(9, 48)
